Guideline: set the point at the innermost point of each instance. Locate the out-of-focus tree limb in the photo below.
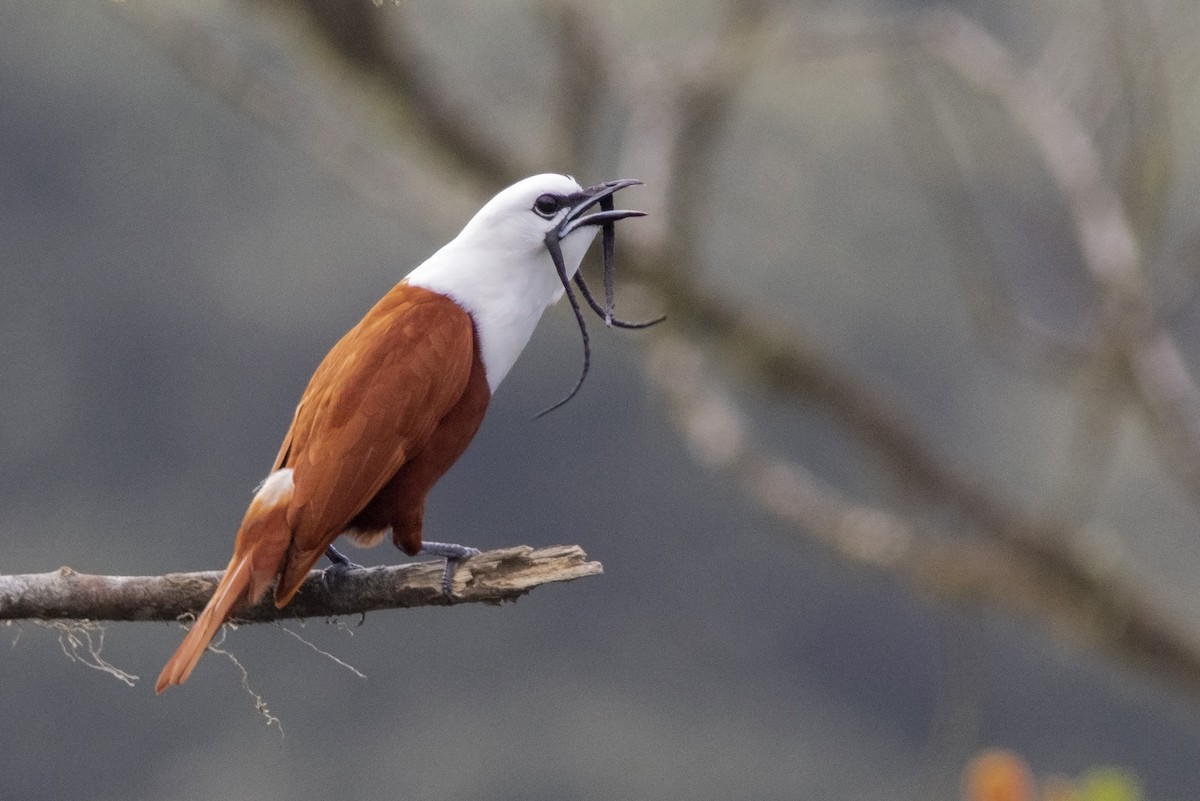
(777, 355)
(491, 577)
(1144, 171)
(1013, 557)
(1048, 581)
(779, 358)
(582, 83)
(928, 129)
(357, 34)
(329, 115)
(678, 112)
(1107, 241)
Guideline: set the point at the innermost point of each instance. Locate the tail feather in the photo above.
(232, 589)
(295, 571)
(259, 556)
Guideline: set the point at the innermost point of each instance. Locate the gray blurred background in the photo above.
(197, 200)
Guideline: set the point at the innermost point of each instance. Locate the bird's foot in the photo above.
(339, 565)
(452, 554)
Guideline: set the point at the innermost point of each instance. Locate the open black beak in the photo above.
(576, 217)
(582, 201)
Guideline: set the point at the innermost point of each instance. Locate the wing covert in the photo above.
(369, 407)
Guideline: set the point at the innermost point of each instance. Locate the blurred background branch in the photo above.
(674, 114)
(913, 468)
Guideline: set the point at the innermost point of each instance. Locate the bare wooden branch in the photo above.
(492, 577)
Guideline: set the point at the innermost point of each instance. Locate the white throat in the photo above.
(504, 282)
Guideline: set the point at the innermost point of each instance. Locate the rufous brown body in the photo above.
(397, 400)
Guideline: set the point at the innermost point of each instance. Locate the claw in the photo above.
(453, 554)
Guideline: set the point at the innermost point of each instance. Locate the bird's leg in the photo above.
(336, 557)
(339, 565)
(339, 560)
(452, 554)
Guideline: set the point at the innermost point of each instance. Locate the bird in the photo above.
(397, 400)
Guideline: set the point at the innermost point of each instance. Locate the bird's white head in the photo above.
(500, 269)
(516, 220)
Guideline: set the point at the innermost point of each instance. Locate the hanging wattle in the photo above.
(397, 400)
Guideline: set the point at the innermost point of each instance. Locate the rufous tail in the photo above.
(259, 556)
(229, 593)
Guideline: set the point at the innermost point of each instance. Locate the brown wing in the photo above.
(371, 405)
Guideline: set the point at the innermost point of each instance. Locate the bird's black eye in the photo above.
(547, 205)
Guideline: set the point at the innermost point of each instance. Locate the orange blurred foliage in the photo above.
(997, 775)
